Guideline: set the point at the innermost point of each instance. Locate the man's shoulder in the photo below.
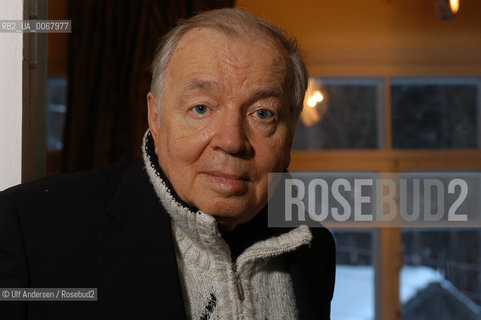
(322, 237)
(73, 190)
(83, 181)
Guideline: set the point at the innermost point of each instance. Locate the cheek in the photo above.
(282, 159)
(184, 144)
(274, 156)
(284, 143)
(262, 129)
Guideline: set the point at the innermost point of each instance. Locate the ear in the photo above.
(153, 118)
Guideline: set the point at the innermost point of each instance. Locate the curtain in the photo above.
(110, 51)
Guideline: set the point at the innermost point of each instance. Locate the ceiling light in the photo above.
(447, 8)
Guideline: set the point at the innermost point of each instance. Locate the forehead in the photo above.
(246, 56)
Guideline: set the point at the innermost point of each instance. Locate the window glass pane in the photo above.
(354, 289)
(347, 117)
(435, 113)
(56, 109)
(441, 277)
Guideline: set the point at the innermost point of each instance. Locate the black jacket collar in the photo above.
(139, 268)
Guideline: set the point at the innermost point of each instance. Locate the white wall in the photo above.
(11, 53)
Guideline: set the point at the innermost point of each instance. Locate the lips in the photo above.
(226, 183)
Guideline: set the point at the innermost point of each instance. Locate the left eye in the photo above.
(200, 109)
(263, 114)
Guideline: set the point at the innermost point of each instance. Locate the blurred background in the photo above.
(395, 87)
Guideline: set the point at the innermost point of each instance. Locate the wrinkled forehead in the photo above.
(265, 52)
(246, 32)
(239, 37)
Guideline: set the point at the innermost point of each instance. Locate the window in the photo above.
(354, 275)
(56, 109)
(348, 116)
(56, 112)
(435, 113)
(399, 124)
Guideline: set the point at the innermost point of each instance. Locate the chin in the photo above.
(235, 211)
(230, 222)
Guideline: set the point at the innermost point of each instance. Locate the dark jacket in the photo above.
(106, 229)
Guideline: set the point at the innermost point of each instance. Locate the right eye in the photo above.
(200, 110)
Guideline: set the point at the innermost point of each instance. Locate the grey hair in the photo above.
(231, 21)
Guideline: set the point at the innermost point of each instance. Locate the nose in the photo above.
(231, 136)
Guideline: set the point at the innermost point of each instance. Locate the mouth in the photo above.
(226, 183)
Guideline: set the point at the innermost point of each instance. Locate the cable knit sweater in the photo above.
(215, 283)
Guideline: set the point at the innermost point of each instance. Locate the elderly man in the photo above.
(183, 233)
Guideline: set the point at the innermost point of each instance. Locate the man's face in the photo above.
(225, 122)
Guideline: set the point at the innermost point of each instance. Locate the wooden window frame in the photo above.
(387, 252)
